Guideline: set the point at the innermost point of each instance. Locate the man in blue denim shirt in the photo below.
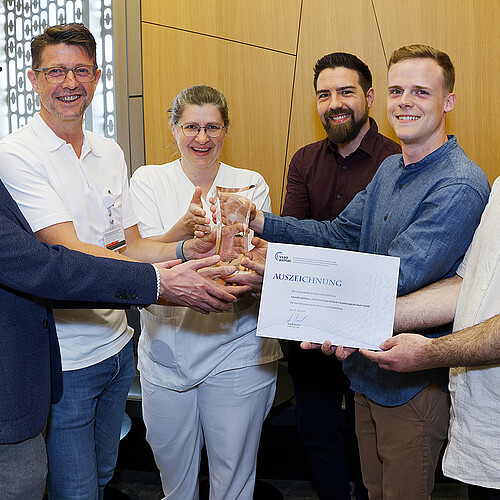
(423, 207)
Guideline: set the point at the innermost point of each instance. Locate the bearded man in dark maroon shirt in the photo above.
(323, 178)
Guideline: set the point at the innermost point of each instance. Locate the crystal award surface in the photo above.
(232, 209)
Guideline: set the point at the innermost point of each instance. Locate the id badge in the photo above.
(114, 237)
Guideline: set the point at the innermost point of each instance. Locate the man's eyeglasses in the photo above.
(57, 74)
(193, 129)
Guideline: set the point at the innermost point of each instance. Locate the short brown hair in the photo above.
(419, 51)
(70, 34)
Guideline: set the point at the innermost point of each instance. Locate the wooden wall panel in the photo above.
(468, 32)
(272, 24)
(333, 31)
(250, 50)
(256, 82)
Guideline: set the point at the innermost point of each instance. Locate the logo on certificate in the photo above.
(281, 257)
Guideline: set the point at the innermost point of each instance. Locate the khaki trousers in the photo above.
(399, 446)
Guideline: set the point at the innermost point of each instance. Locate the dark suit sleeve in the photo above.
(56, 273)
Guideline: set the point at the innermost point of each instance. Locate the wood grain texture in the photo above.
(271, 24)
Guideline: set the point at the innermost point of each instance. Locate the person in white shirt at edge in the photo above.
(71, 186)
(204, 380)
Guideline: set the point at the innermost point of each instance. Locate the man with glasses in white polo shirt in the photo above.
(72, 187)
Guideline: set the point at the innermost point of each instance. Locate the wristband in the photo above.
(179, 253)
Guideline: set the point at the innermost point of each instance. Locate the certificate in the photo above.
(317, 294)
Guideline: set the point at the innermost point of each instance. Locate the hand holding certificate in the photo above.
(316, 294)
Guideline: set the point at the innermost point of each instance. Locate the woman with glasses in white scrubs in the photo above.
(205, 379)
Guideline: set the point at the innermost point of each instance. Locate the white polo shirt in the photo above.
(178, 347)
(52, 185)
(473, 451)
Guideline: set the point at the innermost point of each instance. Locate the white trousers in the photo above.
(226, 412)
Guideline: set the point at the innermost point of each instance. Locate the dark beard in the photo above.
(345, 132)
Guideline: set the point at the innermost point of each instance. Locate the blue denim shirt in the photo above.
(425, 213)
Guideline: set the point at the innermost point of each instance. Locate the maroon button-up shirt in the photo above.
(321, 183)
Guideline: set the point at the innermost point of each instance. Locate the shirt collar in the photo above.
(46, 135)
(368, 142)
(433, 157)
(53, 142)
(90, 145)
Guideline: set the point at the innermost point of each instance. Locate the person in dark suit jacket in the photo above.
(33, 277)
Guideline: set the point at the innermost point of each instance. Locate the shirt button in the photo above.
(339, 196)
(344, 167)
(400, 186)
(45, 323)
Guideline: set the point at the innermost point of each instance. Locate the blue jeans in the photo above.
(83, 431)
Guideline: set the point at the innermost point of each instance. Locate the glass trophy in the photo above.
(232, 209)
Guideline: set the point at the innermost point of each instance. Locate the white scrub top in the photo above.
(178, 347)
